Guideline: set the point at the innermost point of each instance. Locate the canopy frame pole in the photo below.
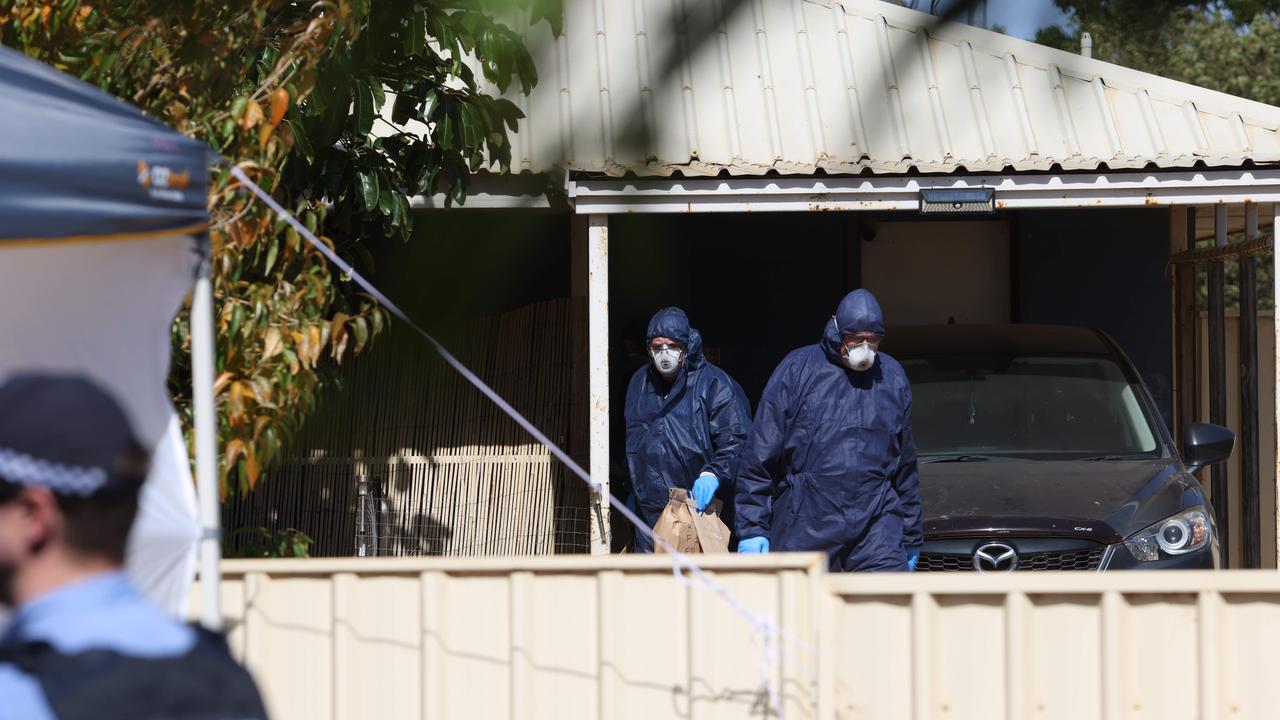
(206, 447)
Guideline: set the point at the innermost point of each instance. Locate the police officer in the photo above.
(686, 422)
(82, 642)
(831, 463)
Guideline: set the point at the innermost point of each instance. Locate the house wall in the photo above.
(931, 272)
(1104, 268)
(464, 265)
(756, 285)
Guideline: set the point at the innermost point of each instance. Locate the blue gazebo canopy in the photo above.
(76, 163)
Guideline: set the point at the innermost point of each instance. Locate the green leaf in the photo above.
(527, 71)
(272, 251)
(443, 33)
(430, 102)
(416, 41)
(360, 327)
(301, 142)
(446, 131)
(510, 113)
(364, 108)
(369, 190)
(472, 126)
(334, 172)
(237, 319)
(402, 110)
(386, 200)
(550, 10)
(395, 210)
(404, 214)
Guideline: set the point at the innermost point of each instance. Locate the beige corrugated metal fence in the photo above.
(620, 637)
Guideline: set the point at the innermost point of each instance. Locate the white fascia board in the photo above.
(800, 194)
(490, 192)
(482, 201)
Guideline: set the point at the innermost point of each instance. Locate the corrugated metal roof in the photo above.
(801, 86)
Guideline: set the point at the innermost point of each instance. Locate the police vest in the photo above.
(204, 684)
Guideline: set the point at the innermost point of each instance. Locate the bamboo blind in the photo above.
(459, 477)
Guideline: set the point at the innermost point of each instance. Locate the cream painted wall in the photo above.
(925, 273)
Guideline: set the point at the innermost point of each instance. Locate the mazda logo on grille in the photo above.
(995, 558)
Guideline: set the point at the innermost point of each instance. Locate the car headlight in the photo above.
(1185, 532)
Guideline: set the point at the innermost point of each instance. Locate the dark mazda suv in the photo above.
(1041, 449)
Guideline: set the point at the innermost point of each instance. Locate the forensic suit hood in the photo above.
(670, 323)
(678, 430)
(859, 312)
(830, 463)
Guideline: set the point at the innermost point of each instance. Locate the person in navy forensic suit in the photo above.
(830, 463)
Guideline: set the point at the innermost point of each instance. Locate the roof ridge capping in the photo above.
(1120, 77)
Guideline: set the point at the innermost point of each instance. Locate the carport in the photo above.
(752, 162)
(790, 157)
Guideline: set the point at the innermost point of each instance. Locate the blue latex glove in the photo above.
(913, 557)
(754, 545)
(704, 488)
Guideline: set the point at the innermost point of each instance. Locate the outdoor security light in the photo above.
(966, 201)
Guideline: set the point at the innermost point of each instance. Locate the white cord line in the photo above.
(763, 625)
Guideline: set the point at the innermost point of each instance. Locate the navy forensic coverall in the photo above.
(678, 430)
(830, 463)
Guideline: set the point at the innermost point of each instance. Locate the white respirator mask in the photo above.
(859, 358)
(667, 361)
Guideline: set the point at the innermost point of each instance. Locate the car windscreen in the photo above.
(1035, 407)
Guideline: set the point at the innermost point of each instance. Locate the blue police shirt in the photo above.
(102, 612)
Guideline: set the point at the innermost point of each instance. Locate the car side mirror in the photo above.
(1204, 444)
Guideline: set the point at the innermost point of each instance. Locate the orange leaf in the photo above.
(272, 344)
(252, 115)
(235, 395)
(235, 448)
(264, 135)
(279, 105)
(317, 344)
(338, 335)
(251, 466)
(221, 383)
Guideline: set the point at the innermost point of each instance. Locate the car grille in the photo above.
(1059, 560)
